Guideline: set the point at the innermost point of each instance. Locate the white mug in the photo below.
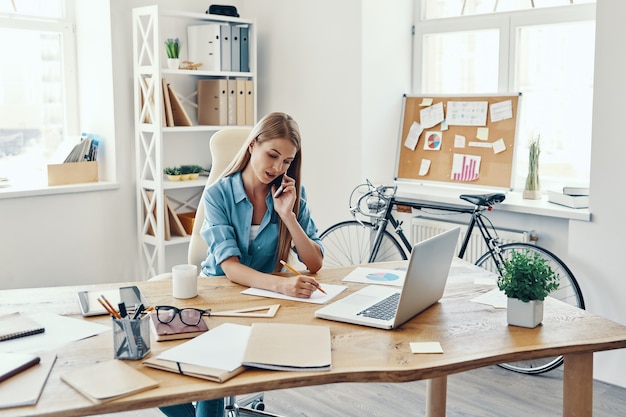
(184, 281)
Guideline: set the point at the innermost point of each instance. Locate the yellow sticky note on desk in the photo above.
(426, 347)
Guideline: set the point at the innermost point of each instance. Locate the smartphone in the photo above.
(278, 183)
(131, 296)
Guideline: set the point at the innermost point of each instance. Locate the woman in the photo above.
(250, 224)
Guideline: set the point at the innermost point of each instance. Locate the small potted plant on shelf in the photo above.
(526, 279)
(531, 189)
(194, 170)
(172, 47)
(173, 173)
(185, 172)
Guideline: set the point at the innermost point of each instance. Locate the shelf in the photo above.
(154, 141)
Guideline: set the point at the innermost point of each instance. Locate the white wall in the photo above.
(596, 248)
(340, 68)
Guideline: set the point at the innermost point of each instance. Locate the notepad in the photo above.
(25, 388)
(288, 347)
(108, 380)
(175, 329)
(215, 355)
(15, 325)
(13, 363)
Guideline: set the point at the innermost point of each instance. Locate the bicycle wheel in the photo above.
(568, 292)
(350, 243)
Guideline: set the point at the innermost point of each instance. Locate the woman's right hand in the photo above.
(300, 286)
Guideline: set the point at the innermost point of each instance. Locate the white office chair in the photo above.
(224, 145)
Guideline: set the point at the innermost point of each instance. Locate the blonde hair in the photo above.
(274, 126)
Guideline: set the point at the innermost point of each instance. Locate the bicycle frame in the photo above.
(382, 220)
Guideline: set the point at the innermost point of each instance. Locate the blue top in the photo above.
(227, 224)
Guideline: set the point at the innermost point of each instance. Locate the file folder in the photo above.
(250, 103)
(213, 102)
(226, 47)
(235, 49)
(241, 102)
(244, 49)
(232, 102)
(204, 45)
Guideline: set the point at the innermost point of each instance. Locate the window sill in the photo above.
(17, 191)
(513, 202)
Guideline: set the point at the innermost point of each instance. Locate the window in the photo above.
(547, 54)
(37, 87)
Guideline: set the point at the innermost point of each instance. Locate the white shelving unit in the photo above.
(157, 146)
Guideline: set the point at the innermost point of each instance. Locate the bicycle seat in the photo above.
(485, 200)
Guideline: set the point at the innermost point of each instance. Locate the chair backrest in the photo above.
(224, 145)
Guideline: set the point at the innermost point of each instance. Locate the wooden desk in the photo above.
(472, 335)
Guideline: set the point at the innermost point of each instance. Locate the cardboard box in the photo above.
(187, 219)
(73, 173)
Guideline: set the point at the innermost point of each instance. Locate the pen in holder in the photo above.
(131, 337)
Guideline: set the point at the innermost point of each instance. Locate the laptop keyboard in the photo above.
(383, 310)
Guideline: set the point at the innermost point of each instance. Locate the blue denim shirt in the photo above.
(227, 224)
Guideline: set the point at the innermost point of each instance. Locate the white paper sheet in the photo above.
(59, 331)
(316, 298)
(393, 277)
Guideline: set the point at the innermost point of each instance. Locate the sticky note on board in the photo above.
(482, 133)
(499, 146)
(424, 167)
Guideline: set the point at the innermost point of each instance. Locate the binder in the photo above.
(169, 118)
(204, 45)
(232, 102)
(212, 102)
(241, 102)
(235, 50)
(244, 49)
(179, 115)
(225, 47)
(249, 103)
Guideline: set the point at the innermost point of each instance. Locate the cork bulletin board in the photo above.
(462, 140)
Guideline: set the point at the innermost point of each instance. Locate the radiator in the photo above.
(423, 228)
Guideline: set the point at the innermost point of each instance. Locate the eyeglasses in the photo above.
(189, 316)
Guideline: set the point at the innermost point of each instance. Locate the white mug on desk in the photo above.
(184, 281)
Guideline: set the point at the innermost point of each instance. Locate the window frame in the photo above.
(507, 23)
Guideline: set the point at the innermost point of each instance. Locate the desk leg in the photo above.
(578, 385)
(436, 397)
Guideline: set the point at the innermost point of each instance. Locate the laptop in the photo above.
(388, 307)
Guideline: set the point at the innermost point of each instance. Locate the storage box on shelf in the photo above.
(175, 112)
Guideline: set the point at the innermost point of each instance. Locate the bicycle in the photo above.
(359, 241)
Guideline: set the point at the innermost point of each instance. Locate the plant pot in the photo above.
(173, 177)
(532, 194)
(194, 176)
(184, 177)
(173, 63)
(524, 314)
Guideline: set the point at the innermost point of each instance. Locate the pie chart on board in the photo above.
(382, 276)
(433, 141)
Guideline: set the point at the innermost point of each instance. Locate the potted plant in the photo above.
(193, 170)
(173, 173)
(526, 278)
(172, 46)
(531, 190)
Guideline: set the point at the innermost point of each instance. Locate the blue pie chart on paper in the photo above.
(382, 276)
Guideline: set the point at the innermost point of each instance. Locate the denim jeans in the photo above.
(207, 408)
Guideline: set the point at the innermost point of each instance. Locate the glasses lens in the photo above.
(190, 316)
(166, 314)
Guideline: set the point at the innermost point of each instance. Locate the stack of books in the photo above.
(570, 196)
